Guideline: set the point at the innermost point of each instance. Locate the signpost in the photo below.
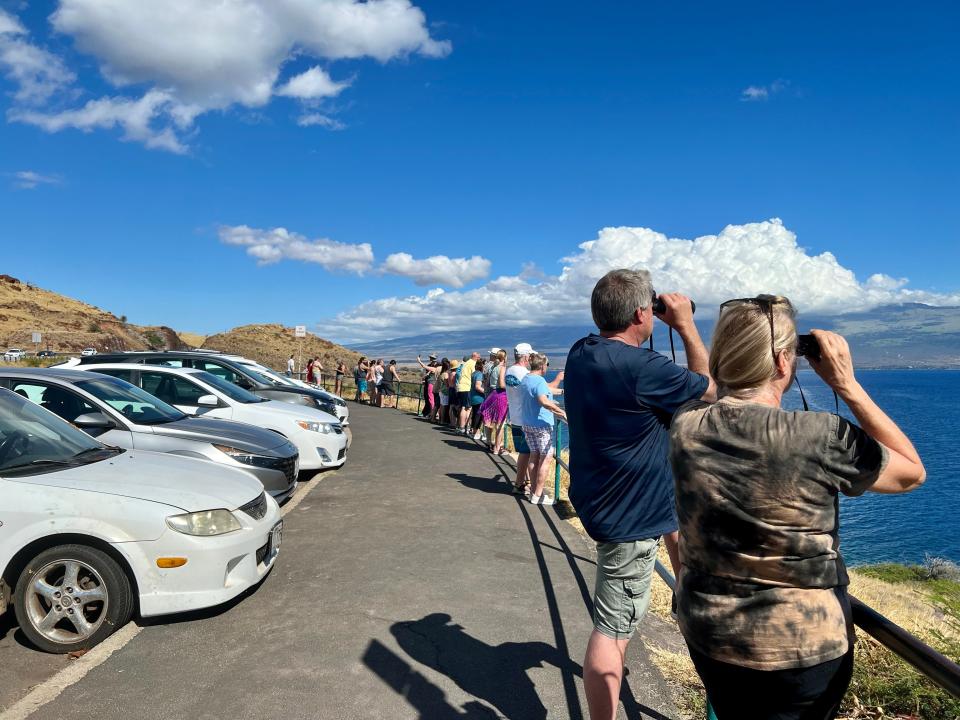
(36, 338)
(300, 332)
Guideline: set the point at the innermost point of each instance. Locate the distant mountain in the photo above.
(909, 335)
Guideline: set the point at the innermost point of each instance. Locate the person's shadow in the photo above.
(495, 674)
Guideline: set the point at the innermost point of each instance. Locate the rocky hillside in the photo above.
(69, 325)
(271, 345)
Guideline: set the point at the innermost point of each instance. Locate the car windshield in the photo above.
(257, 375)
(34, 440)
(131, 402)
(270, 375)
(234, 392)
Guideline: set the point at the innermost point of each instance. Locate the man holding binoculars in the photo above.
(620, 398)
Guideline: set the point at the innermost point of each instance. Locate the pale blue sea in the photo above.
(904, 528)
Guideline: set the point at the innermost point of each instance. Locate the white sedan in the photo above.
(319, 437)
(91, 531)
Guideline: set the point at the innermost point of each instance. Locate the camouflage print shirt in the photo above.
(764, 584)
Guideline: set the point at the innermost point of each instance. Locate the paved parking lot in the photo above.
(410, 584)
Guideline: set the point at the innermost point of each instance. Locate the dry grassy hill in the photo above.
(68, 325)
(271, 345)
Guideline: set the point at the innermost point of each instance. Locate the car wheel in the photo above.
(72, 597)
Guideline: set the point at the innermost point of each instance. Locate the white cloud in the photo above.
(437, 269)
(754, 93)
(29, 180)
(320, 120)
(135, 117)
(741, 261)
(313, 84)
(206, 56)
(271, 246)
(37, 73)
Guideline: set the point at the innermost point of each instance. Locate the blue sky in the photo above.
(504, 134)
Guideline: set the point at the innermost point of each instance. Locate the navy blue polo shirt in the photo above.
(620, 400)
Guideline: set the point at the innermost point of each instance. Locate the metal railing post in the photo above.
(556, 463)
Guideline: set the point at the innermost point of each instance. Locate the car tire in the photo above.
(60, 614)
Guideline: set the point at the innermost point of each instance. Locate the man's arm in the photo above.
(551, 406)
(679, 316)
(555, 383)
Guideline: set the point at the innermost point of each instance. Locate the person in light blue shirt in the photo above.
(537, 411)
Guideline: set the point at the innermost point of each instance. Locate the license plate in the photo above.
(276, 537)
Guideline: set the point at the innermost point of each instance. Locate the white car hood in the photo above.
(297, 412)
(181, 482)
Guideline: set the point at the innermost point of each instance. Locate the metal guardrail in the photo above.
(916, 653)
(402, 389)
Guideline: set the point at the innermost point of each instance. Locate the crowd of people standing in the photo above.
(376, 382)
(483, 397)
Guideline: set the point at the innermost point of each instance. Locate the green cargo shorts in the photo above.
(622, 592)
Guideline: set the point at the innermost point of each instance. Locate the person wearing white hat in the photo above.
(513, 378)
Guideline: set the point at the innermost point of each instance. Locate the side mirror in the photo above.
(244, 383)
(92, 421)
(208, 401)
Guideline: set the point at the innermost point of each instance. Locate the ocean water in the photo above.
(903, 528)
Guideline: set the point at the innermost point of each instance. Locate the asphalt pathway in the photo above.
(411, 584)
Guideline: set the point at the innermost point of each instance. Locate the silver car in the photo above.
(118, 413)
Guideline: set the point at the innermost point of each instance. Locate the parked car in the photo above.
(118, 413)
(227, 367)
(318, 437)
(341, 410)
(47, 353)
(92, 533)
(88, 352)
(14, 355)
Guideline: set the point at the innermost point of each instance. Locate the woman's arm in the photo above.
(905, 470)
(478, 385)
(502, 378)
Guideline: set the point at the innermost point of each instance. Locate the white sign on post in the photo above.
(300, 331)
(36, 338)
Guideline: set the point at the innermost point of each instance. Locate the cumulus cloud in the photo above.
(313, 84)
(754, 93)
(437, 269)
(204, 56)
(37, 73)
(30, 180)
(272, 246)
(740, 261)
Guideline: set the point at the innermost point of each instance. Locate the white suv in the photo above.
(91, 532)
(14, 355)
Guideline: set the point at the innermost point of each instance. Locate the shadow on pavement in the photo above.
(494, 674)
(493, 484)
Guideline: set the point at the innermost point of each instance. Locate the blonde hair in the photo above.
(502, 356)
(538, 361)
(741, 359)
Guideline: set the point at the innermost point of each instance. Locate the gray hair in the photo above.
(538, 361)
(617, 296)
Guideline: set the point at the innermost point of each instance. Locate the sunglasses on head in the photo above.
(766, 303)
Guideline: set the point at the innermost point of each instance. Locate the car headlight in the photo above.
(241, 456)
(317, 427)
(205, 522)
